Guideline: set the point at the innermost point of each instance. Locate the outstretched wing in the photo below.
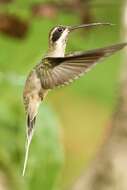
(63, 70)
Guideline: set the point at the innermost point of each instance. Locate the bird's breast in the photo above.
(33, 88)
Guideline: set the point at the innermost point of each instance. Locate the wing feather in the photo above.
(63, 70)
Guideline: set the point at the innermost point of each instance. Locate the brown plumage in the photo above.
(56, 70)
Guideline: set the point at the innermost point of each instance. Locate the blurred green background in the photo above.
(74, 120)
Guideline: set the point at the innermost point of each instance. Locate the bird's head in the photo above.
(58, 37)
(57, 40)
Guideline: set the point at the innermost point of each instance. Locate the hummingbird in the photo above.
(58, 69)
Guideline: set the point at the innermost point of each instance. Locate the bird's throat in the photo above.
(58, 50)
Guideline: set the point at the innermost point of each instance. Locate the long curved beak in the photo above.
(71, 28)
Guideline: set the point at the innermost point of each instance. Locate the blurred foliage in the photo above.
(17, 57)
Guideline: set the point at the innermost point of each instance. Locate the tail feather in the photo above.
(30, 130)
(30, 124)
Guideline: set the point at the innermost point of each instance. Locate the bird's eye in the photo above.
(57, 33)
(60, 29)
